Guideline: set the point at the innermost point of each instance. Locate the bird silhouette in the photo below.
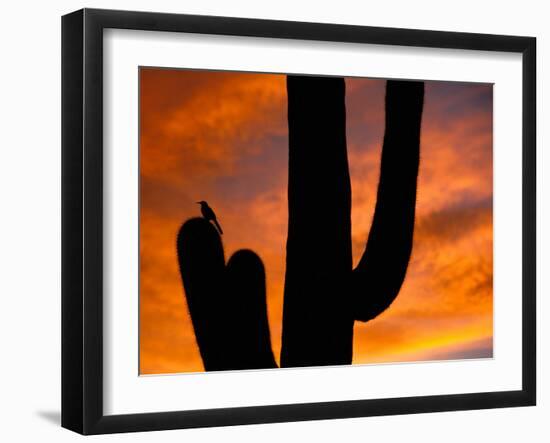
(209, 214)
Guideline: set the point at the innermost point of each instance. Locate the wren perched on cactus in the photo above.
(209, 214)
(323, 295)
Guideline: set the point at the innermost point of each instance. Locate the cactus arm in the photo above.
(202, 267)
(317, 326)
(380, 273)
(246, 288)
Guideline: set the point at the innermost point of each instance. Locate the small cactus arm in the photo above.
(323, 296)
(227, 303)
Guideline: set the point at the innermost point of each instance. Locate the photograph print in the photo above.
(304, 220)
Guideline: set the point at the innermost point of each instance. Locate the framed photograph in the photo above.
(268, 221)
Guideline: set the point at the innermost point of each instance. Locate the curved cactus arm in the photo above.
(202, 268)
(246, 289)
(380, 273)
(317, 324)
(227, 304)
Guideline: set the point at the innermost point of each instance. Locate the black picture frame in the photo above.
(82, 218)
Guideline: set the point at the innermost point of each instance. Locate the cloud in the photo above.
(222, 137)
(475, 349)
(208, 131)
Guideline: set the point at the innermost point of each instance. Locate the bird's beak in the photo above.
(198, 203)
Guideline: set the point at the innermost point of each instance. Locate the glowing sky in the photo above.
(222, 137)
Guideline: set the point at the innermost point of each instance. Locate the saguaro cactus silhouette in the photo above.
(226, 302)
(323, 296)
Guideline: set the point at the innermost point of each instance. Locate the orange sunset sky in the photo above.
(222, 137)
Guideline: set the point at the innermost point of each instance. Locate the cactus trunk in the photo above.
(317, 325)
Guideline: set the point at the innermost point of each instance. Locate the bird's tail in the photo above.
(218, 226)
